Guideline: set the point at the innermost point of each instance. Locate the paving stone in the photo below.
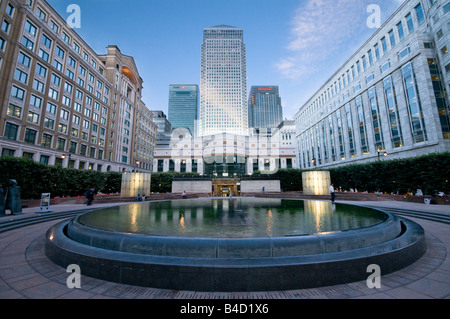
(25, 272)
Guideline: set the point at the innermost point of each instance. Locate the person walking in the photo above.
(333, 193)
(90, 194)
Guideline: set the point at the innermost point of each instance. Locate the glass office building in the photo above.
(264, 107)
(183, 106)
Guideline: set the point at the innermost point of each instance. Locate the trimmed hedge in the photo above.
(36, 178)
(428, 172)
(290, 179)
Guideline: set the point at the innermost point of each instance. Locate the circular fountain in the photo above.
(235, 244)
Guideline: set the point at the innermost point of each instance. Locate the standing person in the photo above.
(333, 193)
(2, 201)
(90, 196)
(183, 196)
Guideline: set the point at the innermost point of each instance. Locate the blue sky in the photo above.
(295, 44)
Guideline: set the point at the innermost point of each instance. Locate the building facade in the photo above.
(223, 91)
(60, 102)
(183, 106)
(224, 155)
(163, 127)
(264, 107)
(145, 139)
(390, 98)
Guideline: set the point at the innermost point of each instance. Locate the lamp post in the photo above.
(385, 154)
(64, 157)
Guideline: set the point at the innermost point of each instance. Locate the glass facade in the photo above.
(225, 166)
(441, 98)
(418, 129)
(351, 137)
(393, 115)
(376, 120)
(332, 142)
(340, 135)
(183, 107)
(265, 110)
(362, 126)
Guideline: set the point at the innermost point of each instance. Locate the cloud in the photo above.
(325, 31)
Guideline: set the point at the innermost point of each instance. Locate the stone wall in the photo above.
(192, 187)
(256, 186)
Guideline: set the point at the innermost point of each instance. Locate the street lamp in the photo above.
(385, 154)
(64, 156)
(136, 163)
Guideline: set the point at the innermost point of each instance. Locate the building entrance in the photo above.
(226, 187)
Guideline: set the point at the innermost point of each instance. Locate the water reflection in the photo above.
(232, 218)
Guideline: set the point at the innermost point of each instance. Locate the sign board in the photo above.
(45, 204)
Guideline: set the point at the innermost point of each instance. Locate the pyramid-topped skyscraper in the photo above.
(223, 93)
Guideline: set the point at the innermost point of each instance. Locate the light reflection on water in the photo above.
(233, 218)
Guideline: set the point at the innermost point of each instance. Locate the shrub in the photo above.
(35, 179)
(427, 172)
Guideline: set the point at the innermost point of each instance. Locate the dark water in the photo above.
(235, 218)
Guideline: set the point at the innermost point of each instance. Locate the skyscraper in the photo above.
(183, 106)
(264, 107)
(223, 93)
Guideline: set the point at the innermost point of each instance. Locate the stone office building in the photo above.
(63, 104)
(389, 98)
(224, 155)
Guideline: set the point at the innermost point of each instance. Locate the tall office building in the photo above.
(390, 96)
(223, 92)
(183, 106)
(264, 107)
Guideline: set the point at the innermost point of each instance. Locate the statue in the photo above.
(2, 201)
(13, 200)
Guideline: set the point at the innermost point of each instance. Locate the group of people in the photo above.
(140, 198)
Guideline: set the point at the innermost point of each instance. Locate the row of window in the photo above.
(36, 104)
(45, 159)
(30, 137)
(58, 63)
(337, 137)
(380, 48)
(58, 30)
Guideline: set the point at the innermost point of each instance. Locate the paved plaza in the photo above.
(26, 273)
